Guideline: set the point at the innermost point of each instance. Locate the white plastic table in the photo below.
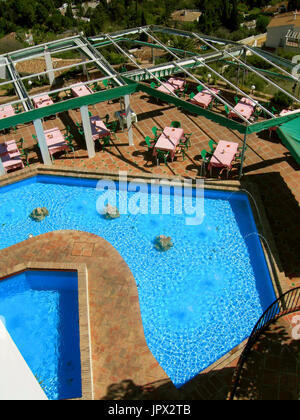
(121, 116)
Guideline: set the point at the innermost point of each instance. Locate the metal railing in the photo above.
(287, 303)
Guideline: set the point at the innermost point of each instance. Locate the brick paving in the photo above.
(272, 370)
(268, 164)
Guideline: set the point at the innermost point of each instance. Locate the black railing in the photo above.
(287, 303)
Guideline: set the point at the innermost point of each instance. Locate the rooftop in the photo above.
(186, 15)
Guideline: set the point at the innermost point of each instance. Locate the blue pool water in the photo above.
(199, 299)
(35, 307)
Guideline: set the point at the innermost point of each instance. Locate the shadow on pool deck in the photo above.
(283, 213)
(272, 369)
(207, 386)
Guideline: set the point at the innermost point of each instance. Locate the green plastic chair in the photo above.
(24, 156)
(149, 144)
(175, 124)
(68, 137)
(153, 85)
(192, 94)
(104, 142)
(257, 113)
(184, 91)
(212, 145)
(105, 83)
(188, 138)
(182, 148)
(106, 119)
(55, 97)
(162, 154)
(70, 145)
(156, 131)
(227, 110)
(17, 109)
(200, 88)
(20, 144)
(80, 128)
(113, 126)
(94, 87)
(236, 100)
(205, 160)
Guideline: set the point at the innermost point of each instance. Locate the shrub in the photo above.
(281, 100)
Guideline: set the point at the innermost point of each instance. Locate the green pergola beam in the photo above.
(68, 105)
(39, 49)
(188, 106)
(273, 122)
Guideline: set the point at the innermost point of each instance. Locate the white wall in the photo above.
(17, 382)
(275, 35)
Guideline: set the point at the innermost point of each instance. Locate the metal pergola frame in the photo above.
(131, 81)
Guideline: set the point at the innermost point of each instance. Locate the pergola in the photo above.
(128, 82)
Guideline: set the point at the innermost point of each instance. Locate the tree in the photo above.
(262, 22)
(293, 5)
(69, 11)
(234, 22)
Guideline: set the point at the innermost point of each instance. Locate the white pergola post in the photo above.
(128, 119)
(84, 110)
(2, 170)
(39, 129)
(49, 65)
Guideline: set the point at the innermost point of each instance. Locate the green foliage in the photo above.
(262, 22)
(44, 18)
(281, 100)
(293, 5)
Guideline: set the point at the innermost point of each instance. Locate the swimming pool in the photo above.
(35, 307)
(199, 299)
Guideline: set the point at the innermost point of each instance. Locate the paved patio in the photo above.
(268, 164)
(272, 370)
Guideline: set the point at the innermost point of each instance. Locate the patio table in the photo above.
(177, 82)
(6, 111)
(169, 140)
(9, 148)
(204, 98)
(245, 107)
(41, 101)
(288, 112)
(11, 162)
(121, 116)
(80, 90)
(55, 140)
(223, 155)
(98, 127)
(166, 87)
